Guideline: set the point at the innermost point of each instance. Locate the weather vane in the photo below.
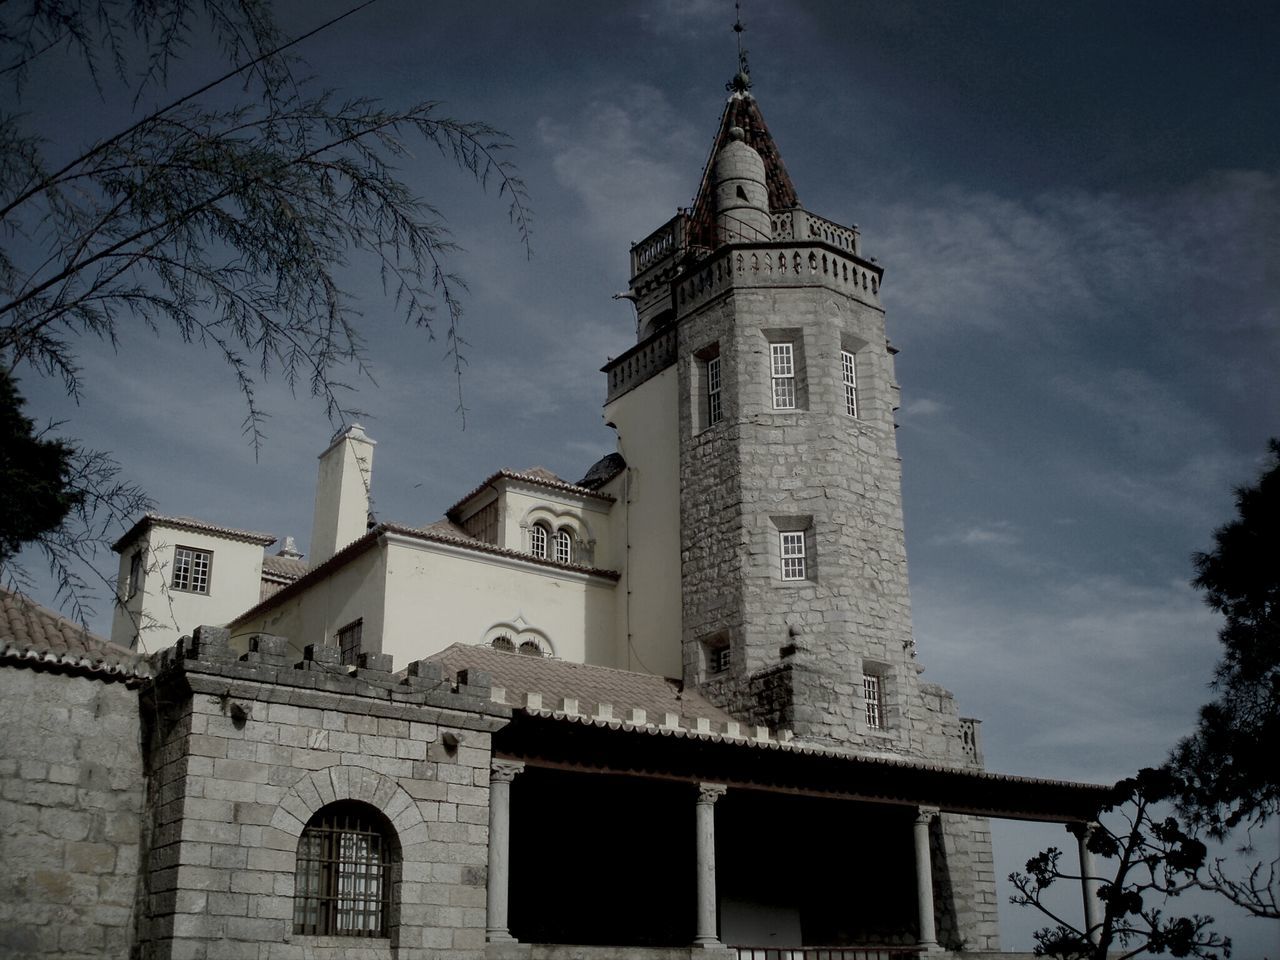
(742, 82)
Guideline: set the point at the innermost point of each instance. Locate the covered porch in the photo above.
(624, 839)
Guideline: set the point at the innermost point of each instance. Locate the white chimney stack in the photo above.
(342, 493)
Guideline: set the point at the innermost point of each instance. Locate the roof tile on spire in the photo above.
(741, 111)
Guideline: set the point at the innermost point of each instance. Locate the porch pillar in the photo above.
(1088, 880)
(708, 794)
(924, 878)
(501, 773)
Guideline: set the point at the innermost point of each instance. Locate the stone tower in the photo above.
(795, 609)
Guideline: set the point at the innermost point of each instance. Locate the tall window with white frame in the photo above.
(564, 546)
(191, 569)
(793, 554)
(873, 701)
(715, 409)
(538, 541)
(783, 369)
(849, 376)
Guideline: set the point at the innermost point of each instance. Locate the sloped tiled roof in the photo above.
(590, 685)
(283, 568)
(191, 523)
(535, 475)
(34, 635)
(741, 111)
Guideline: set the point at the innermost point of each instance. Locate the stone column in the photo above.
(501, 773)
(924, 878)
(708, 794)
(1088, 880)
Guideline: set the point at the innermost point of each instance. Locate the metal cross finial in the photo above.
(741, 83)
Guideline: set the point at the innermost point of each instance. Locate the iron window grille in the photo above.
(564, 546)
(721, 658)
(350, 639)
(849, 375)
(873, 701)
(343, 885)
(538, 541)
(191, 570)
(715, 410)
(783, 369)
(793, 558)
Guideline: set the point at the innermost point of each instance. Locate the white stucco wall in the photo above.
(437, 595)
(342, 493)
(645, 531)
(165, 614)
(356, 590)
(587, 517)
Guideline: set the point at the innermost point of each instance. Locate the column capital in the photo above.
(504, 771)
(926, 814)
(711, 792)
(1082, 830)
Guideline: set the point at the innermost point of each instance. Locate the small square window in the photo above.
(721, 658)
(191, 570)
(350, 641)
(873, 701)
(793, 555)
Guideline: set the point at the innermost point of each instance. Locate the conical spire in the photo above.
(741, 111)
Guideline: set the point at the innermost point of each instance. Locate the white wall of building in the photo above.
(160, 614)
(644, 534)
(438, 595)
(587, 517)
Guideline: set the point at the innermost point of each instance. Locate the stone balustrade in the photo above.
(781, 265)
(971, 739)
(803, 225)
(644, 360)
(667, 240)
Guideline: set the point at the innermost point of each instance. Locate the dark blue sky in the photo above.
(1076, 206)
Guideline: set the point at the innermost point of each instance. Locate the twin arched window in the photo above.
(546, 545)
(343, 885)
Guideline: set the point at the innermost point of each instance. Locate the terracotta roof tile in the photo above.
(538, 476)
(34, 634)
(743, 111)
(590, 685)
(284, 568)
(191, 523)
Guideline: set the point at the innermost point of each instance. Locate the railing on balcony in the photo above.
(802, 225)
(827, 953)
(668, 239)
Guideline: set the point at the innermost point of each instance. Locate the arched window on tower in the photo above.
(564, 545)
(344, 874)
(538, 536)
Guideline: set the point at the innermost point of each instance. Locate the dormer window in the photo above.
(564, 546)
(538, 537)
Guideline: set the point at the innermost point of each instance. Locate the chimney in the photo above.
(342, 493)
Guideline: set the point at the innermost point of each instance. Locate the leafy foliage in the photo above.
(34, 473)
(226, 215)
(1155, 860)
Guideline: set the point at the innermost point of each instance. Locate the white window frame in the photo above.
(849, 377)
(793, 555)
(721, 659)
(192, 567)
(715, 408)
(873, 700)
(538, 536)
(563, 542)
(782, 369)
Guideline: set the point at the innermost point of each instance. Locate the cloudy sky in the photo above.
(1076, 206)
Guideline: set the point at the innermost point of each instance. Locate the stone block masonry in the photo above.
(244, 751)
(71, 773)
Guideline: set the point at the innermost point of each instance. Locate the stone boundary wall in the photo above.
(248, 749)
(70, 807)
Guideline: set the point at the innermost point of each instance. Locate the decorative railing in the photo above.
(644, 360)
(775, 264)
(827, 953)
(971, 738)
(803, 225)
(668, 239)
